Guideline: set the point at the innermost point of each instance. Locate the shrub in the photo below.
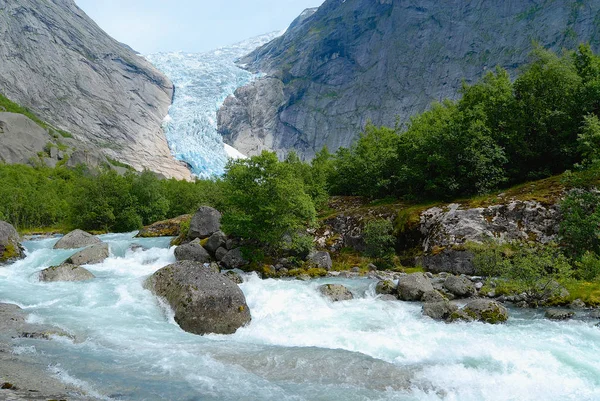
(580, 226)
(379, 242)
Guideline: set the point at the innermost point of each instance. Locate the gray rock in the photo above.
(213, 267)
(74, 76)
(357, 60)
(234, 259)
(433, 297)
(203, 301)
(13, 323)
(90, 255)
(215, 241)
(76, 239)
(65, 272)
(460, 286)
(387, 297)
(233, 276)
(450, 261)
(385, 287)
(220, 254)
(595, 314)
(336, 292)
(577, 304)
(486, 310)
(321, 259)
(440, 310)
(205, 222)
(559, 314)
(413, 286)
(192, 251)
(10, 248)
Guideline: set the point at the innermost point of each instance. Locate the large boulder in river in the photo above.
(65, 272)
(440, 310)
(412, 287)
(76, 239)
(486, 310)
(192, 251)
(90, 255)
(165, 228)
(10, 248)
(459, 286)
(203, 301)
(336, 292)
(385, 287)
(205, 222)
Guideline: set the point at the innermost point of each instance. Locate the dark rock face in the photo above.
(215, 241)
(203, 301)
(205, 222)
(76, 239)
(459, 286)
(10, 248)
(192, 251)
(321, 259)
(336, 292)
(413, 286)
(451, 261)
(65, 272)
(357, 60)
(90, 255)
(57, 62)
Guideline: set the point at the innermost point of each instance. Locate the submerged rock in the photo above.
(486, 310)
(76, 239)
(65, 272)
(91, 255)
(205, 222)
(203, 301)
(412, 287)
(192, 251)
(10, 248)
(460, 286)
(559, 314)
(336, 292)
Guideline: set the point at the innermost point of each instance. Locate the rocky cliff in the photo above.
(352, 61)
(57, 62)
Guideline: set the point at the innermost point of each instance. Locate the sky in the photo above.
(151, 26)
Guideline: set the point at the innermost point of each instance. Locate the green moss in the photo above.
(494, 316)
(9, 252)
(587, 292)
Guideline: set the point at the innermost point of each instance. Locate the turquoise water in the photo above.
(298, 346)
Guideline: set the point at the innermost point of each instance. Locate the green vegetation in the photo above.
(379, 242)
(9, 106)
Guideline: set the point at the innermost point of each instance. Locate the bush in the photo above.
(580, 226)
(588, 268)
(379, 242)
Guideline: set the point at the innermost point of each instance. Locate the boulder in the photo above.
(13, 323)
(595, 314)
(320, 259)
(205, 222)
(559, 314)
(233, 276)
(90, 255)
(213, 266)
(432, 297)
(234, 259)
(412, 287)
(459, 286)
(450, 261)
(336, 292)
(203, 301)
(65, 272)
(385, 287)
(486, 310)
(440, 310)
(76, 239)
(10, 248)
(220, 254)
(165, 228)
(192, 251)
(215, 241)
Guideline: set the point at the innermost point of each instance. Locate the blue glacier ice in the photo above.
(202, 82)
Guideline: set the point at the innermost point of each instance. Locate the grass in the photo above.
(11, 107)
(117, 163)
(587, 292)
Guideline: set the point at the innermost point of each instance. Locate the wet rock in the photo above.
(10, 248)
(413, 286)
(384, 287)
(192, 251)
(203, 301)
(336, 292)
(65, 272)
(577, 304)
(559, 314)
(388, 297)
(234, 259)
(233, 276)
(433, 297)
(459, 286)
(220, 254)
(440, 310)
(321, 259)
(486, 310)
(165, 228)
(76, 239)
(595, 314)
(13, 323)
(215, 241)
(205, 222)
(90, 255)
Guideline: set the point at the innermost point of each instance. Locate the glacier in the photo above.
(202, 82)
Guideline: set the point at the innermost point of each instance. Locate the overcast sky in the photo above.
(191, 25)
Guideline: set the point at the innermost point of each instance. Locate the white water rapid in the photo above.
(202, 82)
(298, 346)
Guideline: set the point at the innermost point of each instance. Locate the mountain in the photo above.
(58, 63)
(354, 61)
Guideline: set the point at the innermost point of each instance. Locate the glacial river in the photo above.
(298, 347)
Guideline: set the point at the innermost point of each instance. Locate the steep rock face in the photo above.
(57, 62)
(357, 60)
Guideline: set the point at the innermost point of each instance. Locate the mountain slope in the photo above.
(353, 61)
(57, 62)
